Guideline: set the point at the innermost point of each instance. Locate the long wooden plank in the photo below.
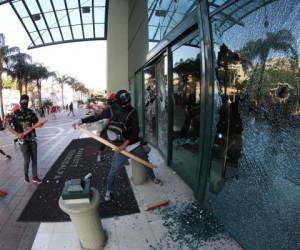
(113, 147)
(156, 205)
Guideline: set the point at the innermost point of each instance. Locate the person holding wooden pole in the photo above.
(22, 125)
(122, 131)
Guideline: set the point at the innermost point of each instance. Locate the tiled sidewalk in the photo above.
(52, 138)
(145, 230)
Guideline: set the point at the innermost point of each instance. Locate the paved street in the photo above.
(52, 139)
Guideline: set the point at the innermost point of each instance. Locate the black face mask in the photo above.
(24, 106)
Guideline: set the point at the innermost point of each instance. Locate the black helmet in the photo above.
(123, 97)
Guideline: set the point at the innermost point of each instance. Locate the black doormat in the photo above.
(77, 160)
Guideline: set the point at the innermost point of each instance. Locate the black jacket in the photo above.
(132, 123)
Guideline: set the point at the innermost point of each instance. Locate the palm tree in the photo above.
(61, 81)
(39, 73)
(72, 83)
(283, 40)
(19, 70)
(78, 88)
(6, 55)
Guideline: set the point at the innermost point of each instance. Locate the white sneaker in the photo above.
(107, 196)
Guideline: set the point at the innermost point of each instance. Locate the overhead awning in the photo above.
(164, 15)
(50, 22)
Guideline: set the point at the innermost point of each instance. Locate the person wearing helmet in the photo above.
(123, 131)
(129, 140)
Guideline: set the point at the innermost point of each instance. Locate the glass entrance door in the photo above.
(186, 109)
(156, 98)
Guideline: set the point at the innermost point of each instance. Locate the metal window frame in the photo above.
(46, 23)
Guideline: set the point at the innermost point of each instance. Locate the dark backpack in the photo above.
(117, 130)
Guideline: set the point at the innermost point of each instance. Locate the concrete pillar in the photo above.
(117, 46)
(86, 221)
(137, 35)
(139, 174)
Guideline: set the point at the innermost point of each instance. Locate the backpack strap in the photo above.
(130, 112)
(111, 112)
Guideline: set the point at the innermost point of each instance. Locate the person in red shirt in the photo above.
(53, 111)
(16, 107)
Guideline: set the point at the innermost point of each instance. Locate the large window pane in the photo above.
(255, 163)
(186, 110)
(150, 93)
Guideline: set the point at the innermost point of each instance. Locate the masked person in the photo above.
(21, 120)
(123, 130)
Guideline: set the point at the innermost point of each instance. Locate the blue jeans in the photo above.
(118, 161)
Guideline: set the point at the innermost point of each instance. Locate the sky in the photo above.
(85, 61)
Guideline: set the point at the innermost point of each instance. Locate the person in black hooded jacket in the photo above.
(123, 113)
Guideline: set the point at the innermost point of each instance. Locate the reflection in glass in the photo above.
(257, 122)
(186, 116)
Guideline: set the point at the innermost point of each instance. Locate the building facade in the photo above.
(217, 87)
(216, 84)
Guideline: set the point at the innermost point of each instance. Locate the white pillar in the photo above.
(117, 46)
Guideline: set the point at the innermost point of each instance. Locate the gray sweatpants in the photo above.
(29, 150)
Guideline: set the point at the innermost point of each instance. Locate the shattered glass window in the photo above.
(150, 93)
(255, 174)
(162, 105)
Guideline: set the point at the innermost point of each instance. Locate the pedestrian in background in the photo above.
(71, 108)
(53, 111)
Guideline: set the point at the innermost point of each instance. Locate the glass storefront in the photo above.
(186, 109)
(251, 108)
(255, 161)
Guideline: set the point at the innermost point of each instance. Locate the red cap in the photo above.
(16, 107)
(112, 97)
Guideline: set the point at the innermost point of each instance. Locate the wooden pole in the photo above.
(113, 147)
